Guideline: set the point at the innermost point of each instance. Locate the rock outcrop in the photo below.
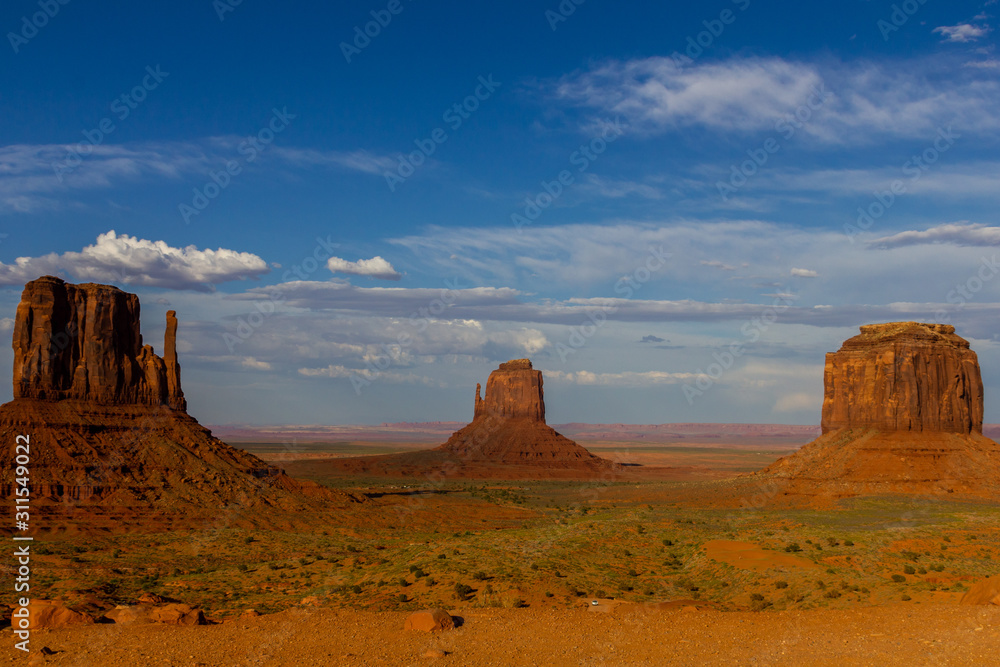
(83, 342)
(513, 391)
(902, 415)
(111, 443)
(430, 620)
(508, 425)
(507, 438)
(904, 376)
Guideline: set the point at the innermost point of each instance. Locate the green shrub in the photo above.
(898, 578)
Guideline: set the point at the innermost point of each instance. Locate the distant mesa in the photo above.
(111, 441)
(902, 414)
(507, 438)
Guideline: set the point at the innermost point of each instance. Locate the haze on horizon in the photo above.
(358, 229)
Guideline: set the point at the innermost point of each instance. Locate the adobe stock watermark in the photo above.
(31, 25)
(786, 126)
(454, 116)
(965, 292)
(751, 331)
(562, 13)
(223, 7)
(626, 287)
(714, 28)
(914, 168)
(363, 35)
(122, 107)
(581, 158)
(264, 308)
(250, 148)
(899, 17)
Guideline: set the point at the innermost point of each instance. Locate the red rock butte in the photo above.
(902, 414)
(904, 376)
(83, 342)
(111, 440)
(507, 438)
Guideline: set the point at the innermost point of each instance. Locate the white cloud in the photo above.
(133, 261)
(963, 32)
(444, 303)
(376, 267)
(625, 379)
(804, 273)
(990, 63)
(616, 188)
(365, 376)
(863, 101)
(717, 264)
(962, 233)
(7, 324)
(255, 364)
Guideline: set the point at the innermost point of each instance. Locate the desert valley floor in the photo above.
(520, 562)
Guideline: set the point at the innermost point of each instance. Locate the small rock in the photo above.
(430, 620)
(434, 653)
(45, 614)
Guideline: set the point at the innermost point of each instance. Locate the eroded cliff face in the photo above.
(513, 391)
(902, 415)
(904, 376)
(83, 342)
(111, 442)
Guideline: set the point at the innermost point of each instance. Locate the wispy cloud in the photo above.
(41, 176)
(804, 273)
(962, 233)
(866, 101)
(963, 32)
(717, 264)
(338, 371)
(626, 379)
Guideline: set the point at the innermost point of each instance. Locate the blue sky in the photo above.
(674, 209)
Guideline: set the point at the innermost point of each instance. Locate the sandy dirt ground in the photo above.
(627, 635)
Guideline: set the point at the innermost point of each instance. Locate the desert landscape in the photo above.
(560, 333)
(154, 541)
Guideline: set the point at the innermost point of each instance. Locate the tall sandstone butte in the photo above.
(508, 425)
(111, 442)
(83, 342)
(904, 376)
(507, 438)
(902, 414)
(513, 391)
